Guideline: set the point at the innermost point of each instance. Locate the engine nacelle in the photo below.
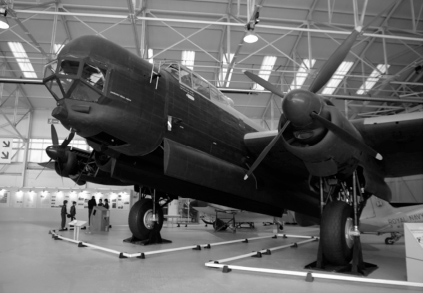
(323, 152)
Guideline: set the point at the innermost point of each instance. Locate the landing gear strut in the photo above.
(339, 234)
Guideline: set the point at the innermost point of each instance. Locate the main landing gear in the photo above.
(340, 246)
(145, 221)
(394, 238)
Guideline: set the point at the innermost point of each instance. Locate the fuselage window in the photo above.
(68, 68)
(201, 86)
(186, 77)
(94, 75)
(173, 70)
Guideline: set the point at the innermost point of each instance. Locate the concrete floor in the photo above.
(31, 261)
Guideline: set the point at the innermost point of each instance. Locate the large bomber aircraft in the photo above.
(166, 128)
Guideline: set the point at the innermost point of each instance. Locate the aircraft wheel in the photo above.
(336, 240)
(219, 225)
(140, 218)
(389, 241)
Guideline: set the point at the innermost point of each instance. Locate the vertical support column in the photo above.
(25, 162)
(322, 200)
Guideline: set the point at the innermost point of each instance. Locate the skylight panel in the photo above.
(265, 69)
(149, 55)
(302, 73)
(337, 77)
(373, 79)
(225, 64)
(188, 59)
(22, 59)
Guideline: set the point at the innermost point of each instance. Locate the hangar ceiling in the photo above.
(288, 30)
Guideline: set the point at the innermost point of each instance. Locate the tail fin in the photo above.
(377, 207)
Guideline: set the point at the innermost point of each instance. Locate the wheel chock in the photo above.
(80, 244)
(245, 241)
(122, 256)
(56, 238)
(268, 252)
(284, 236)
(274, 237)
(295, 245)
(226, 269)
(198, 247)
(258, 254)
(207, 246)
(309, 277)
(141, 256)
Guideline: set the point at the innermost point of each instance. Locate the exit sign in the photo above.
(53, 121)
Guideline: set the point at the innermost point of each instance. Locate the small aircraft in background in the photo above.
(223, 217)
(379, 217)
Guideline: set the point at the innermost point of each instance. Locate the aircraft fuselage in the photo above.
(164, 132)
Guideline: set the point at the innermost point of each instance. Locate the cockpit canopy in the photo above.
(194, 81)
(85, 79)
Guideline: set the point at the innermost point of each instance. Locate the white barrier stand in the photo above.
(223, 264)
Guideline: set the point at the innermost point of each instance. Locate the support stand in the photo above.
(154, 238)
(356, 267)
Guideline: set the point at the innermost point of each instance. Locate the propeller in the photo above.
(347, 137)
(302, 108)
(265, 151)
(56, 152)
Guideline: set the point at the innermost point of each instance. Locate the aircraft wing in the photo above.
(399, 138)
(279, 159)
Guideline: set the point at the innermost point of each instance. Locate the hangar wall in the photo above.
(407, 189)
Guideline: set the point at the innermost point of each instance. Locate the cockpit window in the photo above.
(50, 68)
(174, 70)
(94, 75)
(69, 67)
(186, 77)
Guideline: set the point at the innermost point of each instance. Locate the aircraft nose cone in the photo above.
(297, 106)
(60, 112)
(55, 152)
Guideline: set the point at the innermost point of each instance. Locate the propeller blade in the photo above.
(333, 62)
(45, 165)
(348, 138)
(54, 137)
(68, 139)
(48, 164)
(265, 151)
(264, 83)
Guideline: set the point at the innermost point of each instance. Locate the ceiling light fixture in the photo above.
(250, 37)
(4, 24)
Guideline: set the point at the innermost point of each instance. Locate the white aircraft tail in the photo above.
(377, 207)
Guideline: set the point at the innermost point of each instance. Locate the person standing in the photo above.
(91, 204)
(106, 203)
(63, 213)
(73, 211)
(100, 202)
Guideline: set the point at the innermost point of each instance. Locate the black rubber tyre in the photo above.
(337, 250)
(139, 216)
(219, 225)
(389, 241)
